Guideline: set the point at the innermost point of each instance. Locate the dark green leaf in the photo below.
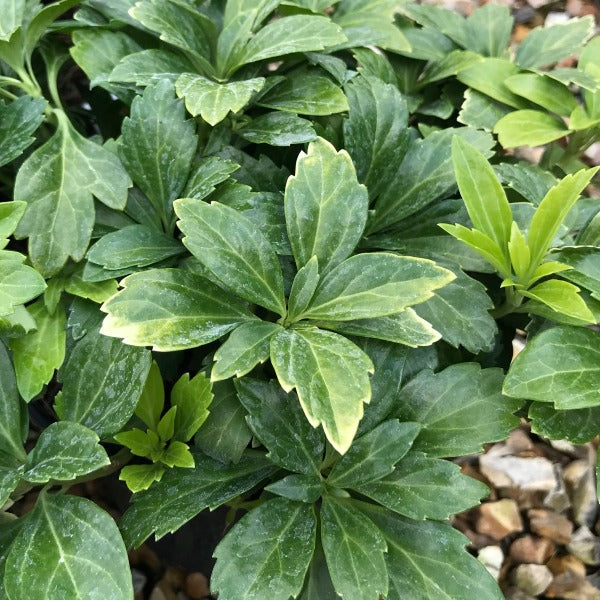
(11, 409)
(487, 29)
(278, 129)
(531, 181)
(147, 67)
(18, 121)
(304, 488)
(578, 426)
(480, 111)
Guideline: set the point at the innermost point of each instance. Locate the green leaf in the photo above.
(406, 328)
(278, 129)
(13, 12)
(578, 426)
(375, 285)
(182, 494)
(355, 551)
(11, 410)
(585, 266)
(449, 22)
(481, 191)
(192, 397)
(213, 101)
(230, 246)
(141, 477)
(425, 488)
(19, 119)
(306, 94)
(330, 375)
(299, 33)
(459, 311)
(560, 365)
(460, 408)
(425, 175)
(530, 181)
(208, 172)
(428, 560)
(152, 400)
(318, 585)
(63, 452)
(247, 346)
(304, 488)
(18, 282)
(278, 421)
(373, 455)
(177, 454)
(561, 297)
(544, 91)
(480, 111)
(157, 146)
(325, 206)
(224, 435)
(449, 66)
(133, 246)
(37, 354)
(376, 131)
(553, 210)
(9, 479)
(68, 547)
(141, 443)
(102, 382)
(171, 309)
(303, 288)
(487, 29)
(267, 553)
(59, 181)
(547, 45)
(166, 426)
(529, 128)
(10, 215)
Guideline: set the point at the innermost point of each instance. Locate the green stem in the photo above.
(513, 301)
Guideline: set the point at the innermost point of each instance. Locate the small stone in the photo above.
(519, 442)
(551, 525)
(499, 519)
(505, 470)
(585, 546)
(139, 580)
(555, 18)
(557, 498)
(566, 564)
(491, 557)
(196, 586)
(581, 484)
(157, 594)
(569, 586)
(175, 577)
(532, 579)
(514, 593)
(530, 549)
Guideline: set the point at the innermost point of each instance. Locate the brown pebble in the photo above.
(551, 525)
(531, 549)
(566, 564)
(196, 586)
(499, 519)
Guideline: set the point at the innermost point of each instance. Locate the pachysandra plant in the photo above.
(275, 260)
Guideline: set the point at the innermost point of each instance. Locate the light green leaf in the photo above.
(17, 324)
(67, 547)
(225, 434)
(102, 383)
(459, 311)
(425, 488)
(11, 410)
(59, 181)
(304, 488)
(373, 455)
(278, 421)
(460, 408)
(63, 452)
(355, 551)
(547, 45)
(133, 246)
(19, 119)
(231, 247)
(267, 553)
(18, 282)
(157, 146)
(10, 215)
(325, 206)
(518, 250)
(213, 101)
(37, 354)
(141, 443)
(375, 285)
(303, 288)
(553, 210)
(141, 477)
(544, 91)
(562, 297)
(299, 33)
(376, 132)
(247, 346)
(152, 399)
(560, 365)
(330, 375)
(166, 425)
(487, 29)
(406, 328)
(97, 291)
(529, 128)
(192, 397)
(181, 495)
(177, 454)
(578, 426)
(428, 560)
(278, 129)
(306, 94)
(481, 191)
(171, 309)
(13, 12)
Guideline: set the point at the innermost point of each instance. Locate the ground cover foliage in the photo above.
(273, 255)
